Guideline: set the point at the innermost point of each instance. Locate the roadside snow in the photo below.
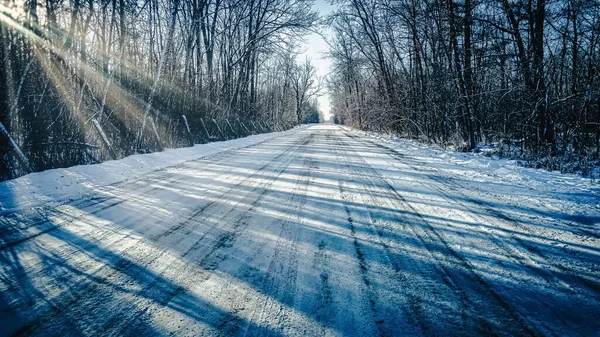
(575, 197)
(73, 182)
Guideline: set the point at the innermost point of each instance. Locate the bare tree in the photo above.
(306, 85)
(85, 81)
(517, 71)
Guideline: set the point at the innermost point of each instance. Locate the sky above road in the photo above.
(315, 48)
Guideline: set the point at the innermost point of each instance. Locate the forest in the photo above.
(84, 81)
(519, 73)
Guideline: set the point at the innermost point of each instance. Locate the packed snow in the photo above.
(73, 182)
(320, 230)
(569, 196)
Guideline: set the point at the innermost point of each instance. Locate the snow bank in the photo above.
(570, 194)
(69, 183)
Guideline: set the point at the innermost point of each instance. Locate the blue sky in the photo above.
(315, 48)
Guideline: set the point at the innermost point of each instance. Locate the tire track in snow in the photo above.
(380, 320)
(444, 257)
(279, 306)
(324, 304)
(64, 251)
(277, 282)
(210, 259)
(489, 210)
(42, 214)
(123, 266)
(413, 313)
(548, 270)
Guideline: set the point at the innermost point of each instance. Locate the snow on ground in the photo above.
(69, 183)
(574, 197)
(320, 231)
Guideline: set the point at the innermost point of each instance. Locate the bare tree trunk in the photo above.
(162, 62)
(468, 118)
(468, 73)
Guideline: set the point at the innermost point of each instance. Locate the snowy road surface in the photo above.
(321, 232)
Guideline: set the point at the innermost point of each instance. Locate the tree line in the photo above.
(83, 81)
(519, 72)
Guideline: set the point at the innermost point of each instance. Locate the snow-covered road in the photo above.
(320, 232)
